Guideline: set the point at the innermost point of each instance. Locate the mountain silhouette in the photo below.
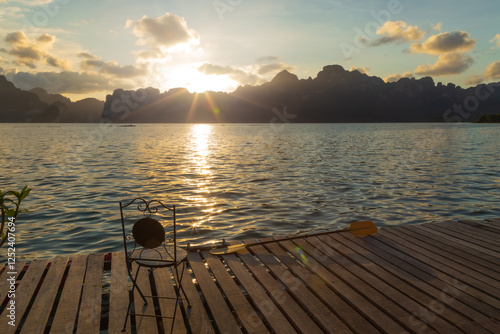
(335, 95)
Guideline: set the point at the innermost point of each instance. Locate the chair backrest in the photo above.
(147, 232)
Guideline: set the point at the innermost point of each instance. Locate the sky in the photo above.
(88, 48)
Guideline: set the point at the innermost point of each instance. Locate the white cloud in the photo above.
(447, 64)
(267, 59)
(92, 62)
(30, 2)
(31, 52)
(128, 23)
(456, 41)
(495, 40)
(395, 77)
(493, 70)
(438, 26)
(12, 13)
(63, 82)
(167, 31)
(238, 75)
(474, 80)
(247, 75)
(363, 70)
(395, 32)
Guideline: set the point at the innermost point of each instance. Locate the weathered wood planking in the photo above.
(40, 311)
(428, 278)
(25, 291)
(119, 295)
(89, 318)
(67, 310)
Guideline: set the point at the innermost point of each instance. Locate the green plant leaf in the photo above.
(10, 213)
(25, 192)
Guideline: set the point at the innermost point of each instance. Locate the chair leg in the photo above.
(135, 286)
(179, 280)
(126, 317)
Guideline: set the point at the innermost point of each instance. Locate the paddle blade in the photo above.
(227, 250)
(363, 228)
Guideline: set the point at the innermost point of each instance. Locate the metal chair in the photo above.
(152, 248)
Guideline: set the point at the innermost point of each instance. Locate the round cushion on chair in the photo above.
(148, 232)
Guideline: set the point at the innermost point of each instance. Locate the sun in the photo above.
(194, 81)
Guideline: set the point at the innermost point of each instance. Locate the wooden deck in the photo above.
(428, 278)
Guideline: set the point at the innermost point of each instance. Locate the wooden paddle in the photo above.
(358, 228)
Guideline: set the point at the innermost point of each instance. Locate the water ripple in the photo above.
(244, 181)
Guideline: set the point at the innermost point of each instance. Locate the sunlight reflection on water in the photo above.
(243, 181)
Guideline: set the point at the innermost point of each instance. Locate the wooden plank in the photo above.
(461, 244)
(67, 310)
(490, 225)
(471, 233)
(474, 287)
(388, 285)
(198, 319)
(248, 317)
(292, 277)
(493, 223)
(338, 272)
(321, 281)
(119, 294)
(454, 257)
(7, 274)
(450, 251)
(144, 324)
(25, 290)
(478, 256)
(294, 312)
(169, 305)
(45, 298)
(445, 286)
(266, 306)
(463, 240)
(478, 232)
(223, 317)
(481, 229)
(89, 318)
(433, 303)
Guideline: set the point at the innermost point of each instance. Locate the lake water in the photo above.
(239, 181)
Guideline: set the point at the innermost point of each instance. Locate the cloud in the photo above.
(456, 41)
(249, 75)
(495, 40)
(447, 64)
(438, 26)
(128, 23)
(46, 39)
(395, 32)
(493, 71)
(111, 67)
(474, 80)
(167, 31)
(267, 59)
(29, 52)
(363, 70)
(273, 68)
(30, 2)
(12, 13)
(65, 82)
(87, 55)
(395, 77)
(239, 75)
